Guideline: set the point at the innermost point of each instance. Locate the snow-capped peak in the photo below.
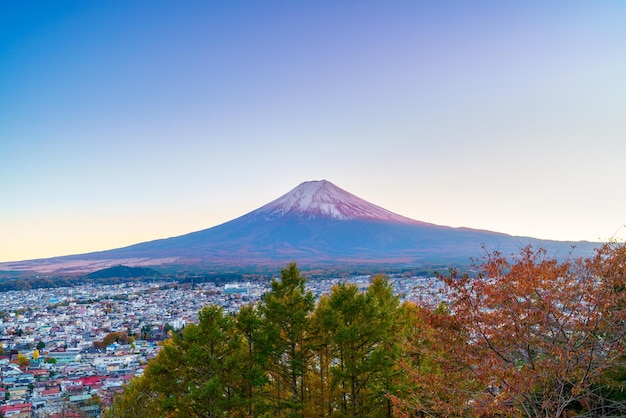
(322, 199)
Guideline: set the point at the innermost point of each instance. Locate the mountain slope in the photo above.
(315, 223)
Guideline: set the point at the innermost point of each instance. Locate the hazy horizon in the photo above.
(127, 122)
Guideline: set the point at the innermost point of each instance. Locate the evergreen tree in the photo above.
(359, 329)
(323, 400)
(255, 356)
(391, 322)
(286, 313)
(197, 373)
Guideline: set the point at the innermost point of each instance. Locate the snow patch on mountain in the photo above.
(322, 199)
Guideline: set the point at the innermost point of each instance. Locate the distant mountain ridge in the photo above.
(316, 223)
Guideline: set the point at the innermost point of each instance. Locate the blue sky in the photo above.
(122, 122)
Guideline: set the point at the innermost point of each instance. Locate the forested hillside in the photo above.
(527, 336)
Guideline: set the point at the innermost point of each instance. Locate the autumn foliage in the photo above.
(532, 335)
(112, 337)
(525, 335)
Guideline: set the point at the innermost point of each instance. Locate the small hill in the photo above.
(124, 272)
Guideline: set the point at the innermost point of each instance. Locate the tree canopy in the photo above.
(527, 335)
(535, 336)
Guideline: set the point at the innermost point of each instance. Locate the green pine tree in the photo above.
(286, 311)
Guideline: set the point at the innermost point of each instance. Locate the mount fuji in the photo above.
(315, 224)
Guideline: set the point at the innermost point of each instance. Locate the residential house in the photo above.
(20, 410)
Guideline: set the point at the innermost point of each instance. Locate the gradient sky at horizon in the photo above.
(123, 122)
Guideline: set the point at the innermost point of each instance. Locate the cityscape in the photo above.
(53, 359)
